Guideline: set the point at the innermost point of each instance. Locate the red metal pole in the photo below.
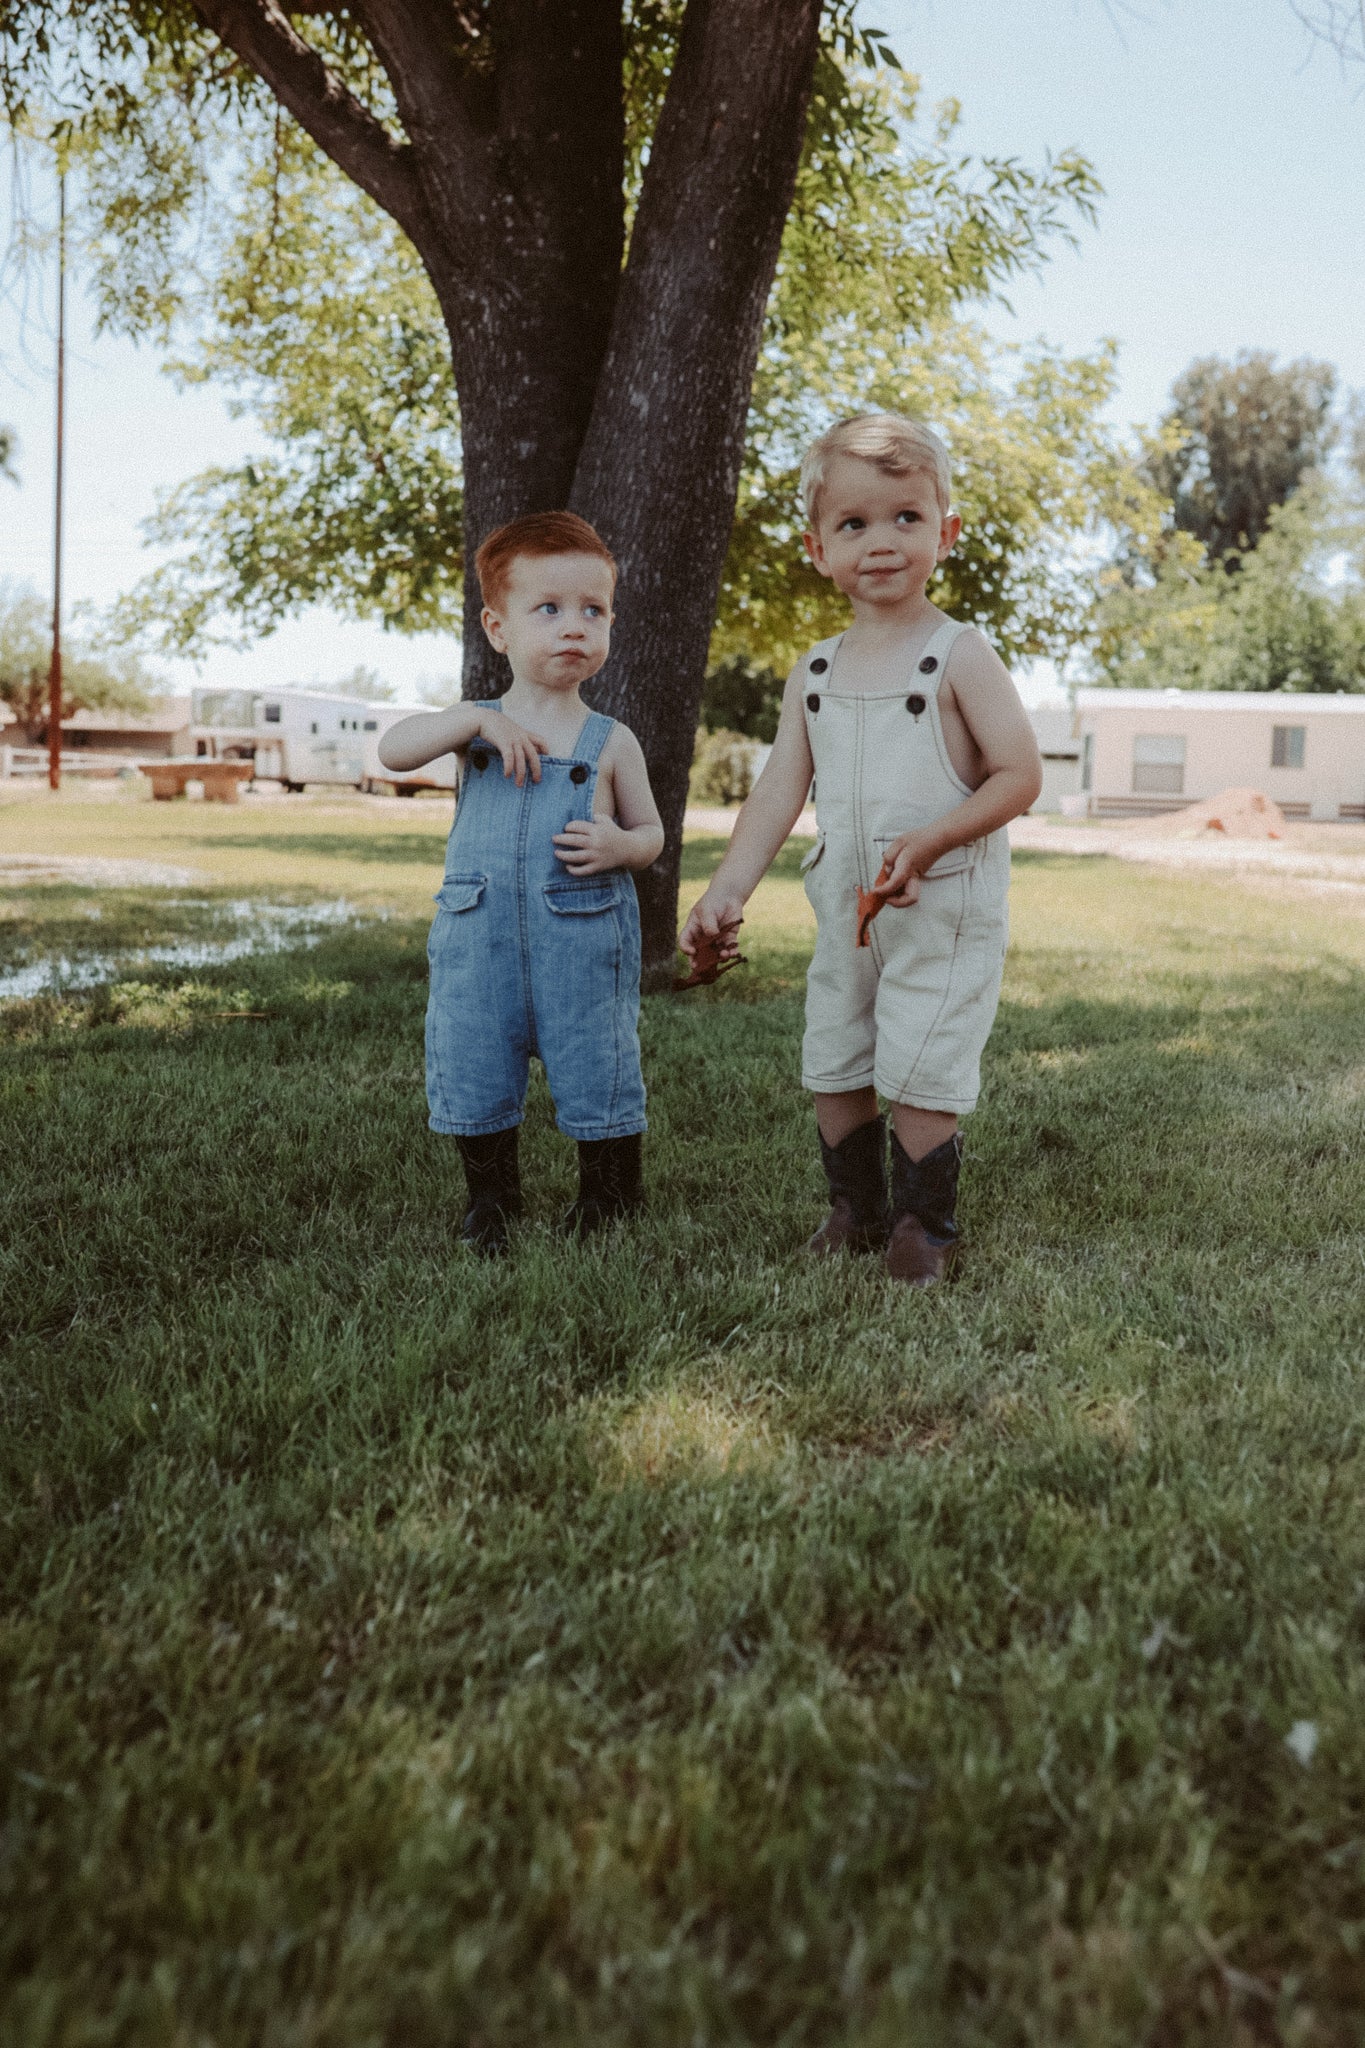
(54, 674)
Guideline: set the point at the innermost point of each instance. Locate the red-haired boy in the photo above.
(535, 948)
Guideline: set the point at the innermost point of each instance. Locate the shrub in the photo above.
(722, 767)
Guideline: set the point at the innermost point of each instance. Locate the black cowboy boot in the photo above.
(856, 1171)
(924, 1245)
(494, 1184)
(610, 1183)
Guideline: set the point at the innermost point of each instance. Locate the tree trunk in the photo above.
(660, 465)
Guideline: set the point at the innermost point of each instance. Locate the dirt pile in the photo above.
(1235, 813)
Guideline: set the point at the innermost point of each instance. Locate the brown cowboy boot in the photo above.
(856, 1171)
(924, 1247)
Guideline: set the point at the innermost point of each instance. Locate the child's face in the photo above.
(553, 621)
(879, 537)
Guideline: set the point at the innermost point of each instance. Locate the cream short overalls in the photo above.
(910, 1013)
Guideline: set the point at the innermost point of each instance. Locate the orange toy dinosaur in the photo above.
(869, 903)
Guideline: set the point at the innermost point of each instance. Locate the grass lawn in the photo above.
(661, 1641)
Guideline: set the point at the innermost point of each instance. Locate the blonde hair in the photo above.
(896, 445)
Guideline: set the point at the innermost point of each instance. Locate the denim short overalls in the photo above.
(527, 958)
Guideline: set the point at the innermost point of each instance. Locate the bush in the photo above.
(722, 767)
(741, 697)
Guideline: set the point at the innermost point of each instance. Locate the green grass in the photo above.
(661, 1641)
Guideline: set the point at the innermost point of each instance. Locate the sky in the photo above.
(1231, 148)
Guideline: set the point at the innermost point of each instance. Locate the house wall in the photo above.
(1228, 745)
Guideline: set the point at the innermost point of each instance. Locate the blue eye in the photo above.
(548, 606)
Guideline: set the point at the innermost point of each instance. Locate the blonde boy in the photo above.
(921, 753)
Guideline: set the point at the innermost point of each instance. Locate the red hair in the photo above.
(537, 534)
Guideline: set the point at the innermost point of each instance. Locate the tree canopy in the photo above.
(311, 306)
(1237, 441)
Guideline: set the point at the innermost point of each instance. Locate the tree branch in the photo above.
(261, 34)
(1338, 22)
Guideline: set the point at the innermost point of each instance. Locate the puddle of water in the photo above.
(273, 928)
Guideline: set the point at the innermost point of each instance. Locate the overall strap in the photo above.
(927, 672)
(596, 731)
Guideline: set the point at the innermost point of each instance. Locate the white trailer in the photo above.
(300, 736)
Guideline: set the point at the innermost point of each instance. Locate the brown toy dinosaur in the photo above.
(707, 965)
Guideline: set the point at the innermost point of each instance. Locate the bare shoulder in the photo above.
(973, 666)
(622, 748)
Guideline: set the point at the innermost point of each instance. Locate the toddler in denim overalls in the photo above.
(535, 948)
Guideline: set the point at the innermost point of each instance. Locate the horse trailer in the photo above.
(301, 736)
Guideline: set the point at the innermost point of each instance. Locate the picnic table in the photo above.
(222, 780)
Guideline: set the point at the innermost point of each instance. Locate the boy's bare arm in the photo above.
(761, 829)
(635, 836)
(429, 734)
(998, 723)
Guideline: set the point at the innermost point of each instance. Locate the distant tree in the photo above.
(90, 680)
(1238, 440)
(7, 446)
(1292, 618)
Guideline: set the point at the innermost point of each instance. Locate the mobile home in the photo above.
(1145, 751)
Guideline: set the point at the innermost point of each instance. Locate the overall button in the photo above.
(578, 773)
(479, 761)
(915, 704)
(813, 701)
(819, 665)
(928, 665)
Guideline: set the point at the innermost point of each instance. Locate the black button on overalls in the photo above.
(578, 773)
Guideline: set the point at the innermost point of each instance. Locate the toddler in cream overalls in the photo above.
(921, 754)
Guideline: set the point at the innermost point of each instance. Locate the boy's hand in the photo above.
(520, 750)
(589, 846)
(717, 918)
(907, 858)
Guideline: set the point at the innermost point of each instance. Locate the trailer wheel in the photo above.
(294, 788)
(405, 789)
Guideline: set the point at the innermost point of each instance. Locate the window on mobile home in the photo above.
(1286, 746)
(1159, 764)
